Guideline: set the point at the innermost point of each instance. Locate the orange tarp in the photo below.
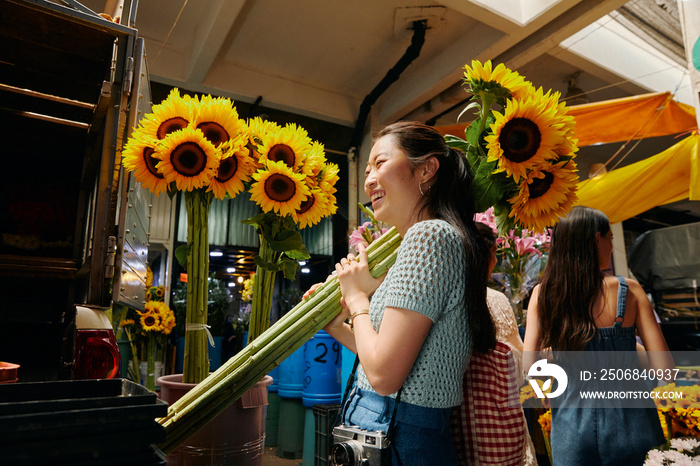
(617, 120)
(670, 176)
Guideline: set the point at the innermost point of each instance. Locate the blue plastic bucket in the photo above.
(322, 370)
(291, 375)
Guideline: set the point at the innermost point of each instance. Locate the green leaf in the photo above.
(262, 263)
(487, 189)
(172, 190)
(457, 143)
(286, 240)
(289, 268)
(475, 104)
(472, 132)
(181, 255)
(298, 254)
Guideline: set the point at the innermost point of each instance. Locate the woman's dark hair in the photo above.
(572, 281)
(451, 199)
(487, 234)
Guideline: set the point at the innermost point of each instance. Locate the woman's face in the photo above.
(605, 247)
(391, 185)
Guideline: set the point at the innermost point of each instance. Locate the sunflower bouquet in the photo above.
(148, 330)
(679, 415)
(521, 148)
(200, 146)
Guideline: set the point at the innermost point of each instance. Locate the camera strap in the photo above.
(344, 402)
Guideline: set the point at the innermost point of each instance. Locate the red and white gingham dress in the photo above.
(489, 426)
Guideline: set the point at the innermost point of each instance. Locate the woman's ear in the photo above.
(597, 239)
(430, 168)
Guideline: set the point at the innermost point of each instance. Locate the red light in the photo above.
(97, 355)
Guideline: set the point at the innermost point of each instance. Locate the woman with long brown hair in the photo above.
(577, 308)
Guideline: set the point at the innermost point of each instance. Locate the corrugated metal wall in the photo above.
(226, 229)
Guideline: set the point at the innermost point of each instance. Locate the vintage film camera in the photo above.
(354, 447)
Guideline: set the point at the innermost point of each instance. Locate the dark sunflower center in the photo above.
(520, 139)
(188, 159)
(540, 186)
(282, 152)
(151, 162)
(214, 132)
(149, 321)
(279, 187)
(227, 168)
(307, 204)
(170, 126)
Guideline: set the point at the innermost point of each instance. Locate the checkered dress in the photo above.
(488, 428)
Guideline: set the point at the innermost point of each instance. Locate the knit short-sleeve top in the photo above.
(428, 277)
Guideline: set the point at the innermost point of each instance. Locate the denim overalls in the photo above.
(606, 436)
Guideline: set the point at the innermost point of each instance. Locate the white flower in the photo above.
(685, 444)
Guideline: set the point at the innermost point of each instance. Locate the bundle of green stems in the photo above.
(222, 388)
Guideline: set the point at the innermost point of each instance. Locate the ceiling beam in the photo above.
(211, 34)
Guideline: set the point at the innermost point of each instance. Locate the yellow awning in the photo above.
(617, 120)
(670, 176)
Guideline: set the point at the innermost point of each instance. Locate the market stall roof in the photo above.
(670, 176)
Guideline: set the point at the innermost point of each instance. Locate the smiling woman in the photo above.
(414, 338)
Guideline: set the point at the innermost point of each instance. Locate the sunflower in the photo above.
(235, 168)
(548, 192)
(173, 114)
(150, 319)
(525, 135)
(188, 159)
(259, 128)
(288, 145)
(278, 188)
(139, 156)
(312, 209)
(569, 143)
(486, 79)
(218, 119)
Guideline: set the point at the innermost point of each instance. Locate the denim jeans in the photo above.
(421, 435)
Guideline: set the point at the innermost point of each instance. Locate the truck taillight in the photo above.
(97, 355)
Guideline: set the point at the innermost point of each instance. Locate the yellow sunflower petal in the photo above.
(173, 114)
(188, 159)
(289, 145)
(312, 209)
(483, 78)
(525, 135)
(548, 192)
(235, 168)
(278, 188)
(139, 157)
(218, 119)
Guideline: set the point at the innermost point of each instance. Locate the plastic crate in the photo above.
(324, 420)
(80, 422)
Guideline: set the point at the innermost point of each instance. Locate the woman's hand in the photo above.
(339, 320)
(356, 282)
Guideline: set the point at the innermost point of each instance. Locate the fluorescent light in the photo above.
(231, 284)
(216, 254)
(305, 270)
(230, 270)
(302, 262)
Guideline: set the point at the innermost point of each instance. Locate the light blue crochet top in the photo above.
(428, 277)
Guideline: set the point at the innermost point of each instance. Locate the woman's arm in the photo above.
(388, 356)
(649, 330)
(532, 330)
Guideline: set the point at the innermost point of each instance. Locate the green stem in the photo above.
(196, 359)
(151, 363)
(273, 345)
